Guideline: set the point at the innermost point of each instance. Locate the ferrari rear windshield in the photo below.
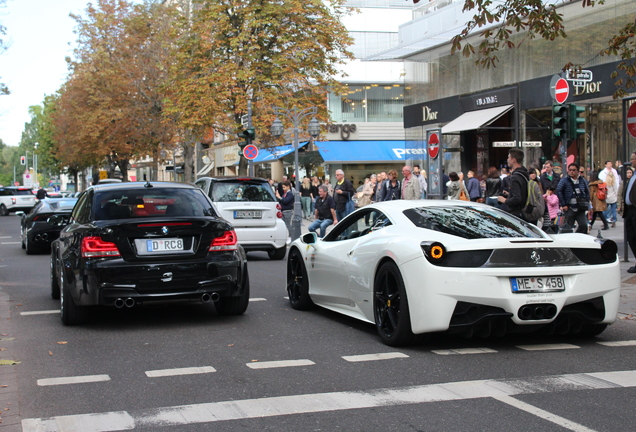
(471, 222)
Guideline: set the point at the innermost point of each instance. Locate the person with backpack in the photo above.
(574, 198)
(598, 195)
(515, 199)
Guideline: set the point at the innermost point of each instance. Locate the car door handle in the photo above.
(350, 253)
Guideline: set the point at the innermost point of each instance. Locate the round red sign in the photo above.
(631, 120)
(561, 91)
(250, 152)
(433, 145)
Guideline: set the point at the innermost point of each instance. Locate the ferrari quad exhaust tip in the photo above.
(537, 312)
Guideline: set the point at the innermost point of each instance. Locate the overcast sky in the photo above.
(41, 36)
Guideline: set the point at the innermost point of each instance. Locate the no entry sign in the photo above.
(631, 120)
(250, 152)
(433, 145)
(561, 90)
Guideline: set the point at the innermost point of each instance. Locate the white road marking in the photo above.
(153, 419)
(180, 371)
(545, 415)
(279, 364)
(618, 343)
(8, 243)
(42, 312)
(372, 357)
(258, 299)
(72, 380)
(3, 237)
(465, 351)
(547, 347)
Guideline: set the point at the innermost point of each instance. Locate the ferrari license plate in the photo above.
(537, 284)
(163, 245)
(248, 214)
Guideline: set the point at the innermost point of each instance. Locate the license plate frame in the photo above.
(248, 214)
(537, 284)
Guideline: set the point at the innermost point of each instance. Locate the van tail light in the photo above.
(226, 242)
(279, 213)
(13, 201)
(93, 247)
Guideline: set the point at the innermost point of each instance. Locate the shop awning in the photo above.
(271, 154)
(476, 119)
(367, 151)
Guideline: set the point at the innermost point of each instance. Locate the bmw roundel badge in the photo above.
(165, 230)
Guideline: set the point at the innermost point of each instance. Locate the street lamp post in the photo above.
(296, 116)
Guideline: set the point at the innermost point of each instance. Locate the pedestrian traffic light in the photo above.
(248, 134)
(576, 126)
(22, 160)
(559, 120)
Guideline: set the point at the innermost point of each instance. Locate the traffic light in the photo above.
(559, 120)
(249, 134)
(22, 160)
(576, 126)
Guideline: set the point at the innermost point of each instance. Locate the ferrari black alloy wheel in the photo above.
(390, 307)
(297, 282)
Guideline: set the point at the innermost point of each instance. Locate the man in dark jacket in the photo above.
(515, 199)
(342, 192)
(549, 179)
(629, 211)
(473, 187)
(574, 198)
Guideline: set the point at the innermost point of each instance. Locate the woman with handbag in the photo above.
(598, 205)
(456, 188)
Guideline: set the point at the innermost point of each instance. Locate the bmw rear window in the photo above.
(237, 190)
(151, 202)
(471, 222)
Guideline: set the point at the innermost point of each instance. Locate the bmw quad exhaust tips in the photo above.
(537, 312)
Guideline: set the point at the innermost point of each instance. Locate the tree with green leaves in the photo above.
(273, 52)
(537, 18)
(4, 90)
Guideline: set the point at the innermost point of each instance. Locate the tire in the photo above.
(55, 283)
(391, 308)
(277, 254)
(298, 282)
(22, 238)
(3, 210)
(235, 305)
(28, 246)
(70, 313)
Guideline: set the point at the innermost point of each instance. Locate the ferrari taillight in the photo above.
(93, 247)
(226, 242)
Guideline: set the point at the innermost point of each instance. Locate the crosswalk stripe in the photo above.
(279, 364)
(180, 371)
(465, 351)
(153, 419)
(372, 357)
(9, 243)
(257, 299)
(547, 347)
(42, 312)
(72, 380)
(618, 343)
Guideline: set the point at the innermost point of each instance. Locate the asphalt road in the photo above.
(184, 368)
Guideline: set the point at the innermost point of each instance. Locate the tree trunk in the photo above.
(188, 161)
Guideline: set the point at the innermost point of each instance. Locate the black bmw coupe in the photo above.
(127, 244)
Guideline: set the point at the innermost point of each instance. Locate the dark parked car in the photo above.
(131, 243)
(36, 231)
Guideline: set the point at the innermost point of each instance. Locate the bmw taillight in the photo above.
(93, 247)
(226, 242)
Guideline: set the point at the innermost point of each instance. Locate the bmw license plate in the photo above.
(163, 245)
(537, 284)
(248, 214)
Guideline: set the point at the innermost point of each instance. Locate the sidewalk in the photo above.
(627, 307)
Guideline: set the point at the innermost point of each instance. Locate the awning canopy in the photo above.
(369, 151)
(476, 119)
(271, 154)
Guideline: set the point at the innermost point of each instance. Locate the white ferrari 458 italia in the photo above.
(418, 267)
